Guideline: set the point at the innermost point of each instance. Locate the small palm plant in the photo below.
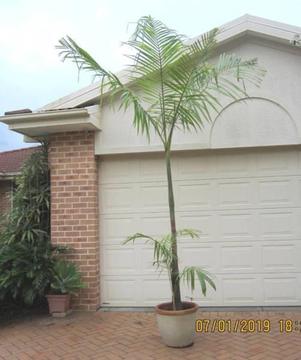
(164, 257)
(66, 278)
(65, 281)
(170, 84)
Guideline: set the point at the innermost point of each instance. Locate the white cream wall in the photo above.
(271, 117)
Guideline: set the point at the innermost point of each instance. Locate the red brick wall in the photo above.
(74, 208)
(5, 196)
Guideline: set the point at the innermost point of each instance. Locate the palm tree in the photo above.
(170, 84)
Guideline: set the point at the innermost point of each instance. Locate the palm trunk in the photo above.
(175, 282)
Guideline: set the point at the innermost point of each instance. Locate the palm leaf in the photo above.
(189, 275)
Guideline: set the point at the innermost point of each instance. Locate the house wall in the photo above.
(5, 196)
(270, 117)
(74, 208)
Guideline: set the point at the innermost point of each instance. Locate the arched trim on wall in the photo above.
(253, 121)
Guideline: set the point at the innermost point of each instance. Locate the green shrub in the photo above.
(66, 278)
(26, 256)
(29, 219)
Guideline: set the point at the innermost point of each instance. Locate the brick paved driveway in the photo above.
(134, 336)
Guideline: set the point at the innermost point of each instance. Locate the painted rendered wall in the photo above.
(271, 115)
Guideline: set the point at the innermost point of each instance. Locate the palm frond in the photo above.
(162, 253)
(191, 274)
(192, 233)
(109, 82)
(174, 79)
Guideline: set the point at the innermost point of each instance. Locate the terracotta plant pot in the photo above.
(58, 303)
(177, 327)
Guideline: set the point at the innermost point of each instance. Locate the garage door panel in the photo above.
(114, 230)
(277, 162)
(134, 291)
(118, 199)
(212, 298)
(153, 197)
(247, 205)
(120, 291)
(154, 289)
(234, 165)
(234, 194)
(298, 191)
(193, 195)
(275, 192)
(155, 224)
(239, 258)
(281, 289)
(190, 166)
(241, 290)
(116, 170)
(116, 260)
(206, 224)
(130, 260)
(198, 254)
(236, 225)
(281, 256)
(153, 168)
(278, 224)
(146, 260)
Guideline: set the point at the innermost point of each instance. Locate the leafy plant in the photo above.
(26, 256)
(29, 219)
(170, 84)
(163, 259)
(66, 278)
(25, 271)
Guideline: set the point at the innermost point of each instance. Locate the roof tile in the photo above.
(12, 161)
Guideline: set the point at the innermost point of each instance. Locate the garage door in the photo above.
(247, 205)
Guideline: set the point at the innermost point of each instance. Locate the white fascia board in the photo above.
(259, 27)
(246, 24)
(90, 93)
(50, 122)
(4, 176)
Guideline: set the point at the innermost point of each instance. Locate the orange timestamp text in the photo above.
(245, 325)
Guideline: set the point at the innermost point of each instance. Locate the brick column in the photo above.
(74, 208)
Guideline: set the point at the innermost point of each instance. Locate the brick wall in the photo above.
(5, 196)
(74, 207)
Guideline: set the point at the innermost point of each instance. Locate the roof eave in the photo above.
(44, 123)
(9, 175)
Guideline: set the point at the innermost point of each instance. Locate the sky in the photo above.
(31, 73)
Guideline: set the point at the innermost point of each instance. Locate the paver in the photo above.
(134, 335)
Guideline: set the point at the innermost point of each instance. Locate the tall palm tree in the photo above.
(170, 84)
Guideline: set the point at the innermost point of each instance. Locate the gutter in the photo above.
(8, 175)
(44, 123)
(45, 115)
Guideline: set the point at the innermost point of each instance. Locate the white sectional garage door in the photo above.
(247, 203)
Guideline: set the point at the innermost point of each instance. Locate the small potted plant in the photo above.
(176, 326)
(66, 281)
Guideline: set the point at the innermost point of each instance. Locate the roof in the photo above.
(244, 25)
(79, 111)
(12, 161)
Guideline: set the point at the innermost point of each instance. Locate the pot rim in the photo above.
(57, 295)
(193, 308)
